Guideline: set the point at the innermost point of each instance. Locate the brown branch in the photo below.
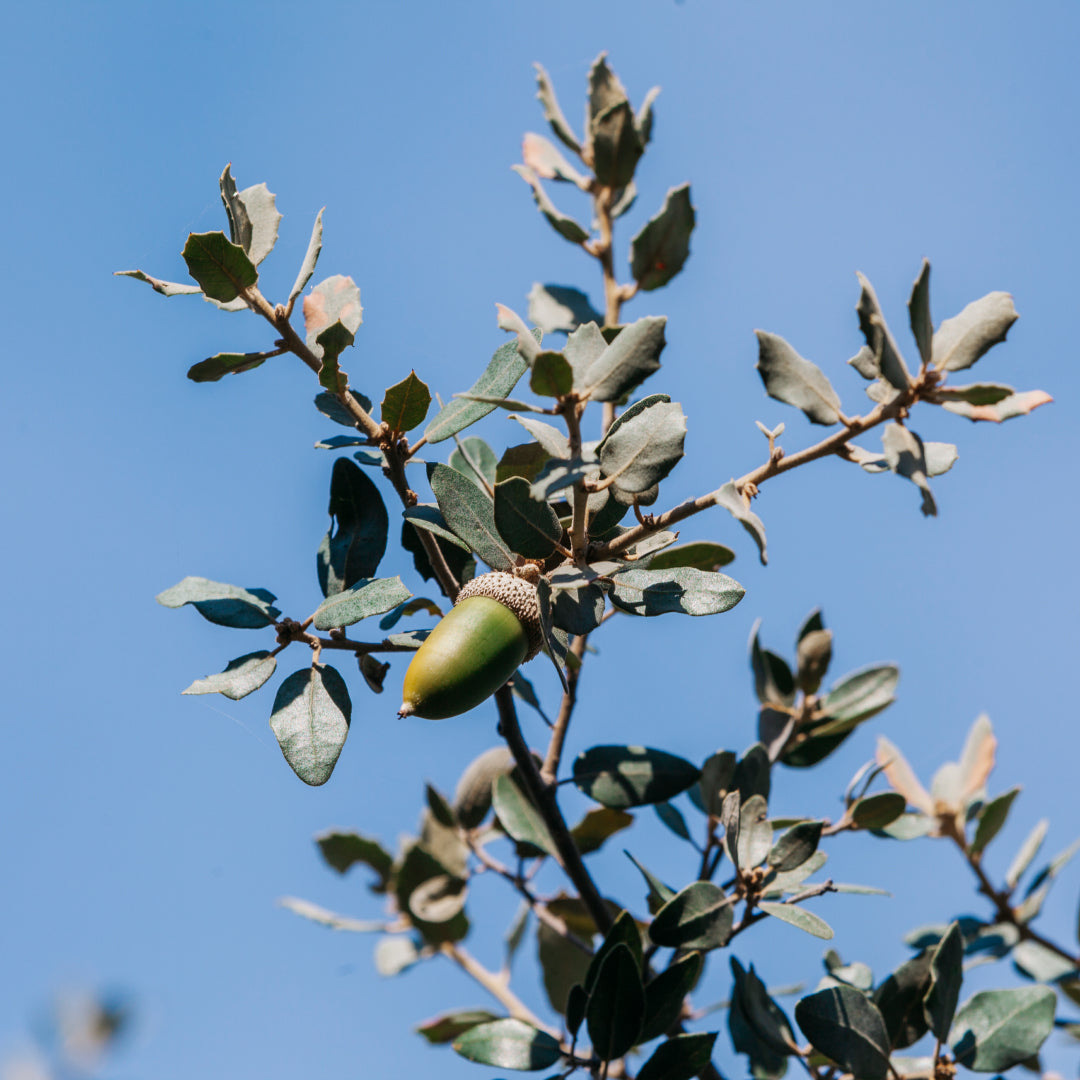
(549, 772)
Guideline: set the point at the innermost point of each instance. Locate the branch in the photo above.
(549, 773)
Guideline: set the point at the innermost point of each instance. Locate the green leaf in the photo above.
(922, 327)
(661, 248)
(409, 607)
(508, 1044)
(630, 359)
(241, 677)
(845, 1026)
(800, 917)
(329, 405)
(562, 966)
(584, 347)
(659, 893)
(558, 475)
(225, 605)
(795, 381)
(472, 797)
(878, 338)
(973, 393)
(791, 881)
(311, 259)
(946, 975)
(343, 850)
(752, 773)
(732, 502)
(518, 816)
(1028, 850)
(552, 113)
(597, 826)
(698, 917)
(641, 450)
(679, 1058)
(500, 377)
(906, 456)
(355, 548)
(359, 601)
(166, 288)
(857, 697)
(813, 656)
(855, 974)
(418, 866)
(310, 721)
(755, 833)
(564, 225)
(665, 993)
(552, 375)
(472, 457)
(471, 515)
(1018, 404)
(1042, 964)
(555, 308)
(965, 338)
(545, 159)
(673, 819)
(774, 684)
(900, 1000)
(765, 1018)
(554, 645)
(438, 900)
(221, 268)
(622, 776)
(447, 1027)
(997, 1029)
(616, 1006)
(683, 590)
(616, 145)
(330, 344)
(877, 811)
(578, 611)
(717, 774)
(406, 403)
(526, 459)
(701, 555)
(795, 846)
(554, 442)
(430, 519)
(222, 364)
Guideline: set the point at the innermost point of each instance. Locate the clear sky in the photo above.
(147, 836)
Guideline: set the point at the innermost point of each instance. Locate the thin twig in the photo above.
(549, 772)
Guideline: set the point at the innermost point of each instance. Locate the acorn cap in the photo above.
(514, 593)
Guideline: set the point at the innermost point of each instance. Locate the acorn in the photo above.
(493, 627)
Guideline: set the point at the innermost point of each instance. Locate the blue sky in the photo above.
(148, 835)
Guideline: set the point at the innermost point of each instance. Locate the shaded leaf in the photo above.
(564, 225)
(409, 607)
(905, 455)
(1018, 404)
(946, 975)
(796, 846)
(616, 1005)
(552, 113)
(774, 683)
(166, 288)
(622, 776)
(997, 1029)
(661, 248)
(552, 375)
(717, 777)
(241, 677)
(225, 605)
(900, 1000)
(991, 820)
(359, 601)
(472, 457)
(631, 358)
(472, 798)
(471, 515)
(879, 339)
(221, 268)
(672, 817)
(640, 451)
(698, 917)
(665, 993)
(877, 811)
(562, 966)
(329, 405)
(222, 364)
(701, 555)
(430, 519)
(729, 498)
(597, 826)
(446, 1028)
(354, 549)
(679, 1058)
(343, 850)
(310, 721)
(795, 381)
(518, 816)
(578, 611)
(508, 1044)
(800, 917)
(922, 327)
(965, 338)
(406, 403)
(555, 308)
(765, 1018)
(683, 590)
(845, 1026)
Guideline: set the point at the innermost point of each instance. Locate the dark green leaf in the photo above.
(499, 378)
(471, 515)
(373, 671)
(166, 288)
(552, 375)
(997, 1029)
(879, 339)
(762, 1014)
(679, 1058)
(664, 995)
(643, 448)
(310, 721)
(554, 645)
(359, 601)
(698, 917)
(672, 817)
(973, 393)
(922, 327)
(430, 519)
(329, 405)
(528, 527)
(331, 343)
(813, 656)
(622, 776)
(526, 459)
(555, 308)
(965, 338)
(508, 1044)
(552, 113)
(221, 268)
(774, 683)
(242, 676)
(577, 611)
(946, 975)
(616, 1004)
(701, 555)
(222, 364)
(683, 590)
(597, 826)
(417, 867)
(406, 403)
(518, 816)
(616, 145)
(311, 259)
(717, 775)
(877, 811)
(410, 607)
(845, 1026)
(790, 378)
(577, 1001)
(752, 774)
(472, 457)
(226, 605)
(343, 850)
(800, 917)
(355, 548)
(796, 846)
(564, 225)
(660, 249)
(733, 503)
(562, 965)
(659, 893)
(632, 357)
(446, 1028)
(857, 697)
(900, 1001)
(472, 798)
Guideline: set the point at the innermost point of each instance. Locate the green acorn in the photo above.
(493, 627)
